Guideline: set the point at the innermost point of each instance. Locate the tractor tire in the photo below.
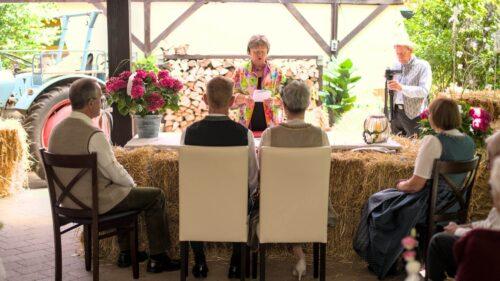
(36, 119)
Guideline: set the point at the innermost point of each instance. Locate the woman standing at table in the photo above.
(258, 74)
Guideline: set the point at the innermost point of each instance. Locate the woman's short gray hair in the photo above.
(258, 41)
(296, 96)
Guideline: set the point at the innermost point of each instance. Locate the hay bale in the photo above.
(487, 99)
(14, 163)
(354, 177)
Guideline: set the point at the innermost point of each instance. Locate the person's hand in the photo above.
(451, 228)
(394, 85)
(400, 184)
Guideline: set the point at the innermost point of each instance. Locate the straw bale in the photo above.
(487, 99)
(354, 177)
(14, 162)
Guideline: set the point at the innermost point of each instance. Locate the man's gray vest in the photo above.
(71, 137)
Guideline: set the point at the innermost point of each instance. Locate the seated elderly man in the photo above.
(440, 256)
(117, 190)
(218, 130)
(296, 133)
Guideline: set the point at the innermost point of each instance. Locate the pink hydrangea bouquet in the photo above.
(475, 123)
(144, 92)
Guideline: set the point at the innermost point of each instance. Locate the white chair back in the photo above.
(294, 185)
(213, 193)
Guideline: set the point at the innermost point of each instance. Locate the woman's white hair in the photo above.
(296, 96)
(495, 175)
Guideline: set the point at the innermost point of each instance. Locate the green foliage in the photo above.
(457, 38)
(148, 63)
(338, 80)
(22, 28)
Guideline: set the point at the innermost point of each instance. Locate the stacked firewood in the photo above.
(196, 73)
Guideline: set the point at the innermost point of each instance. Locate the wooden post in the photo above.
(119, 50)
(147, 27)
(335, 26)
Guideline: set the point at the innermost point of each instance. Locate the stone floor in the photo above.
(26, 249)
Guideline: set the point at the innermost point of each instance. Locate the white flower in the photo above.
(460, 66)
(487, 28)
(488, 87)
(459, 54)
(473, 45)
(491, 69)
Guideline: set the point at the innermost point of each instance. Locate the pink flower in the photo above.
(167, 83)
(163, 74)
(409, 255)
(178, 85)
(425, 114)
(137, 81)
(137, 92)
(409, 242)
(115, 84)
(125, 75)
(155, 101)
(477, 112)
(152, 76)
(141, 74)
(480, 124)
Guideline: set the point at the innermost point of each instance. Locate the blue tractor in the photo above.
(36, 88)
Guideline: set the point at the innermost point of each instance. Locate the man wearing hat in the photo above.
(411, 89)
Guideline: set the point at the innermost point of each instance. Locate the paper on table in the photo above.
(261, 95)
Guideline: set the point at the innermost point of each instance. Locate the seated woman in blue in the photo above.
(389, 215)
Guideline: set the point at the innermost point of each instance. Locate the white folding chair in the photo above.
(294, 185)
(213, 198)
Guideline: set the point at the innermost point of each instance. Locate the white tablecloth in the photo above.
(172, 140)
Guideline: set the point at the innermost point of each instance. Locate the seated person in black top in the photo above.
(217, 129)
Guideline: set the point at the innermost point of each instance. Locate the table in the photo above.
(171, 140)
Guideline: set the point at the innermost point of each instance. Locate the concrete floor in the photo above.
(26, 249)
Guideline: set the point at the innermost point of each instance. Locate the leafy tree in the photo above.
(457, 38)
(23, 28)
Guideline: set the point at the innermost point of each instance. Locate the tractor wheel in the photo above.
(46, 111)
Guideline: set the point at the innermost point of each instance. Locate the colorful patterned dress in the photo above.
(246, 81)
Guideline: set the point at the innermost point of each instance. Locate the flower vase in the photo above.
(147, 126)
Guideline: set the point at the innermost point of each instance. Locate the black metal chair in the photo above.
(462, 194)
(87, 217)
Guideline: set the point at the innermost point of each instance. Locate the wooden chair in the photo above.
(461, 195)
(294, 186)
(213, 199)
(87, 217)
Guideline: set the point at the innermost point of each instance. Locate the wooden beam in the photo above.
(119, 51)
(335, 25)
(193, 8)
(362, 25)
(134, 39)
(308, 27)
(147, 27)
(201, 57)
(354, 2)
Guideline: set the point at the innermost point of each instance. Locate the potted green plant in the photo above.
(338, 80)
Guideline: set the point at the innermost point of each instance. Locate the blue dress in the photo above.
(390, 214)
